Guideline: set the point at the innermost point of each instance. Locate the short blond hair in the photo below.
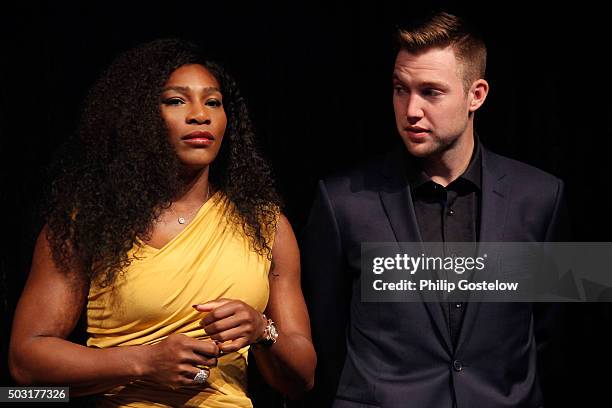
(442, 29)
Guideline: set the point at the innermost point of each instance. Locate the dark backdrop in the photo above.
(317, 78)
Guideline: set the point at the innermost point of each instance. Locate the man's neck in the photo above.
(452, 163)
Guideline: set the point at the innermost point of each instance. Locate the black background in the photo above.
(317, 78)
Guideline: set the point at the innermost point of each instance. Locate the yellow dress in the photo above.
(210, 259)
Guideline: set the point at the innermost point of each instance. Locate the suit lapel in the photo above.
(495, 193)
(493, 214)
(397, 202)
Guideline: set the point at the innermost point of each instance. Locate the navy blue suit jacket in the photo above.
(400, 354)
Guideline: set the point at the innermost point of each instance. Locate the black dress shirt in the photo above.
(448, 214)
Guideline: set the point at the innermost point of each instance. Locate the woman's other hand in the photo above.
(232, 321)
(174, 360)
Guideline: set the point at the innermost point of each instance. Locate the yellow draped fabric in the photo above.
(210, 259)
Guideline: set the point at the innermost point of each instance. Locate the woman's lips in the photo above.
(199, 142)
(199, 139)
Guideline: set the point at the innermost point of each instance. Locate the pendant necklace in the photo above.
(182, 220)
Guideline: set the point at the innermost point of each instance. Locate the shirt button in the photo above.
(458, 305)
(450, 212)
(457, 366)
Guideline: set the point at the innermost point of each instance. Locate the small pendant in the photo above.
(181, 220)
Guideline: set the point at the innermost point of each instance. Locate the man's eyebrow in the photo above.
(187, 89)
(433, 84)
(425, 84)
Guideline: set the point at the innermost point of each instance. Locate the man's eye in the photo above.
(399, 90)
(431, 92)
(173, 101)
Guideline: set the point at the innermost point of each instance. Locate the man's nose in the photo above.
(414, 108)
(198, 114)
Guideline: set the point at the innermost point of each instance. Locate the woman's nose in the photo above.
(198, 115)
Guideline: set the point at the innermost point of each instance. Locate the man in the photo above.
(442, 187)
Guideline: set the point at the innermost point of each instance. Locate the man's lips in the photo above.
(416, 129)
(416, 134)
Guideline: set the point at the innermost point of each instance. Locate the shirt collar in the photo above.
(473, 174)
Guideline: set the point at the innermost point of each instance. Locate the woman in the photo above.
(165, 224)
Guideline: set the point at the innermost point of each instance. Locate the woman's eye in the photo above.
(173, 101)
(213, 102)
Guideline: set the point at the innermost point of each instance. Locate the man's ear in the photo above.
(477, 94)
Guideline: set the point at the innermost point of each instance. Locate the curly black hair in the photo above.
(119, 171)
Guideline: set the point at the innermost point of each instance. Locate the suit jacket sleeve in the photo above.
(327, 289)
(558, 228)
(549, 318)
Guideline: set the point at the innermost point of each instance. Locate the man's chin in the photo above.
(421, 150)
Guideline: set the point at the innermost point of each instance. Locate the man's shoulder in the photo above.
(517, 170)
(371, 173)
(363, 175)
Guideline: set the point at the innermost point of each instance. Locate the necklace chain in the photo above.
(182, 220)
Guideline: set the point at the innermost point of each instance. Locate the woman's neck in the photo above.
(194, 187)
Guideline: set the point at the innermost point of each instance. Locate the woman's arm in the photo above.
(288, 365)
(48, 311)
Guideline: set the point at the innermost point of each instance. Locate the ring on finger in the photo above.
(201, 376)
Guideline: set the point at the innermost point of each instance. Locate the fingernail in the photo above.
(195, 305)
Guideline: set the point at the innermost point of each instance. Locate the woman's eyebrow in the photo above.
(187, 89)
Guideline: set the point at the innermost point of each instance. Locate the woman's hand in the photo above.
(232, 320)
(173, 361)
